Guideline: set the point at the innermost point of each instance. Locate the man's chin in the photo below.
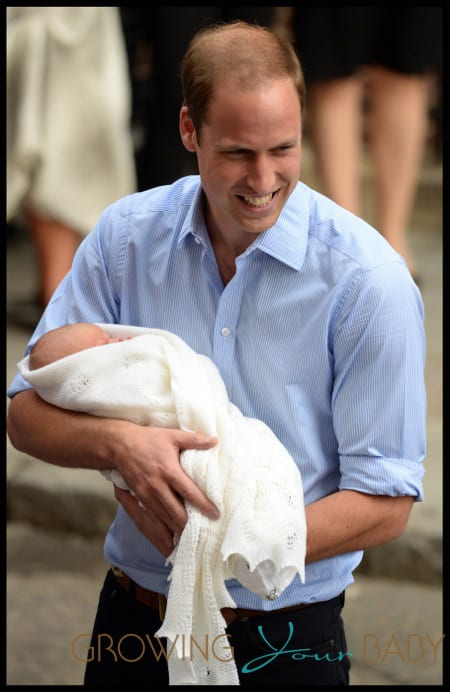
(261, 225)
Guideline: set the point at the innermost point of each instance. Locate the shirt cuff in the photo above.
(382, 476)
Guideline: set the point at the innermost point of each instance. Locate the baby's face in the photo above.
(105, 339)
(90, 336)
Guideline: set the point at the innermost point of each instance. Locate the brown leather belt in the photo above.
(157, 601)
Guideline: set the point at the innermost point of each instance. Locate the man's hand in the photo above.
(148, 459)
(151, 468)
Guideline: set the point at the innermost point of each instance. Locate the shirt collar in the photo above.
(286, 241)
(194, 223)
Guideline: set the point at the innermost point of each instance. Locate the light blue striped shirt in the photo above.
(319, 334)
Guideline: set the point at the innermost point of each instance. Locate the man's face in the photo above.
(249, 157)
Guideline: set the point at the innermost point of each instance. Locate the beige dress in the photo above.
(69, 143)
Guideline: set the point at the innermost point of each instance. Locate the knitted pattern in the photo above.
(156, 379)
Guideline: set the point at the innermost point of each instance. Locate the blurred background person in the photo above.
(157, 38)
(69, 144)
(370, 74)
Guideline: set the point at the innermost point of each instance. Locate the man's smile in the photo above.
(257, 201)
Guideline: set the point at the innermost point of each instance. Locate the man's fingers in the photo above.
(185, 486)
(196, 497)
(195, 440)
(157, 501)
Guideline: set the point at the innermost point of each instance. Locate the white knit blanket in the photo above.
(260, 538)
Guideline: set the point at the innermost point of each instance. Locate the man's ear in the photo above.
(187, 130)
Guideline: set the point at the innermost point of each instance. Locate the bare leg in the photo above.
(55, 245)
(335, 120)
(397, 124)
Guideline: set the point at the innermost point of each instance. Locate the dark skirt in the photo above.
(334, 42)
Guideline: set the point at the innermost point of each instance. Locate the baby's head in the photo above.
(66, 340)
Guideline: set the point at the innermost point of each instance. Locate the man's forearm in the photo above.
(350, 520)
(58, 436)
(148, 459)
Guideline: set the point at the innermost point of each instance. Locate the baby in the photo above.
(64, 341)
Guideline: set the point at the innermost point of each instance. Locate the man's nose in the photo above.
(261, 175)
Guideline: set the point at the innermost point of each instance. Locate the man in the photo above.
(317, 329)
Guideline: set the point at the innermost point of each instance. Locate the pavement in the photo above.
(57, 518)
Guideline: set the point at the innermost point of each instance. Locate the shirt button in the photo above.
(225, 331)
(197, 240)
